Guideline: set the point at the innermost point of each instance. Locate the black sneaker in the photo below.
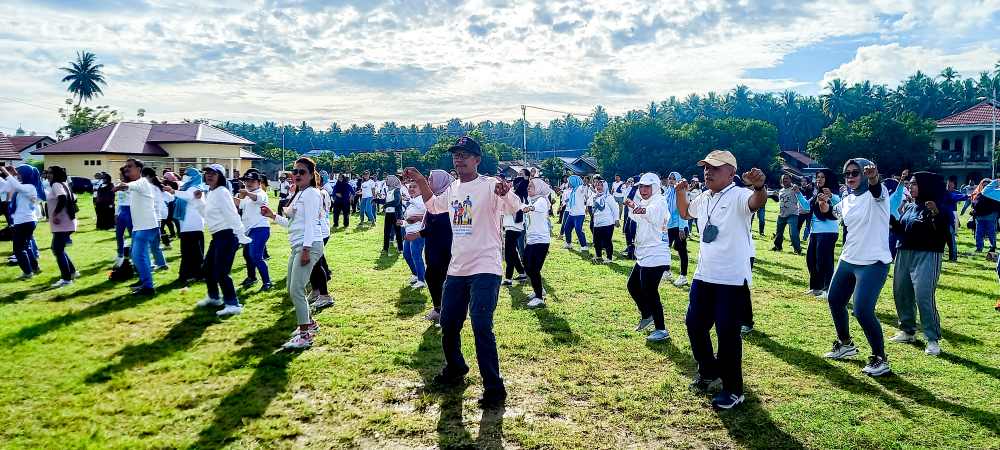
(702, 385)
(447, 378)
(493, 398)
(248, 282)
(266, 287)
(726, 400)
(136, 284)
(142, 291)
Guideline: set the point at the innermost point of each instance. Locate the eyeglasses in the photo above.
(852, 173)
(299, 171)
(460, 155)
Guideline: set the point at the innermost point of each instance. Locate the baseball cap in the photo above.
(251, 175)
(215, 168)
(467, 145)
(718, 158)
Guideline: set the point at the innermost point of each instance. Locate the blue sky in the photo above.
(430, 60)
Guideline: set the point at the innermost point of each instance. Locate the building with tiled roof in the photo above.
(158, 145)
(24, 145)
(7, 153)
(962, 142)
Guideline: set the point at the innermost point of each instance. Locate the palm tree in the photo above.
(837, 102)
(84, 77)
(949, 73)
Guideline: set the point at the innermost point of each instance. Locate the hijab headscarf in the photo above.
(574, 183)
(863, 184)
(601, 200)
(542, 188)
(195, 181)
(930, 188)
(439, 180)
(29, 175)
(831, 183)
(653, 180)
(392, 182)
(170, 176)
(671, 193)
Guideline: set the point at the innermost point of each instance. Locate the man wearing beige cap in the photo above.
(721, 287)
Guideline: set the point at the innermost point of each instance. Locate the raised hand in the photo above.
(413, 174)
(681, 186)
(755, 177)
(501, 188)
(266, 212)
(871, 173)
(932, 207)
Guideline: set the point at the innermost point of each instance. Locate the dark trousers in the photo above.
(510, 256)
(389, 230)
(534, 259)
(865, 282)
(192, 255)
(681, 245)
(475, 296)
(253, 254)
(26, 259)
(218, 264)
(321, 274)
(59, 242)
(629, 229)
(341, 209)
(644, 287)
(602, 240)
(722, 306)
(434, 276)
(819, 260)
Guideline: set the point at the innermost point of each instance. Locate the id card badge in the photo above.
(664, 235)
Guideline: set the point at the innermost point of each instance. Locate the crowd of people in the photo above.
(464, 235)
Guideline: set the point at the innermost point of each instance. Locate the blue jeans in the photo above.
(218, 264)
(760, 220)
(986, 228)
(253, 254)
(143, 242)
(475, 296)
(575, 223)
(59, 242)
(952, 242)
(367, 209)
(865, 282)
(23, 237)
(157, 252)
(123, 223)
(793, 234)
(413, 253)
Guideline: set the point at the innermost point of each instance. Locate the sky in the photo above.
(419, 61)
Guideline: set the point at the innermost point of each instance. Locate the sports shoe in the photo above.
(418, 285)
(209, 301)
(61, 283)
(584, 248)
(658, 335)
(323, 301)
(841, 351)
(933, 348)
(76, 275)
(493, 398)
(903, 337)
(823, 295)
(668, 276)
(433, 316)
(813, 292)
(26, 276)
(745, 330)
(680, 281)
(644, 323)
(160, 268)
(877, 366)
(506, 282)
(567, 245)
(700, 384)
(536, 302)
(449, 378)
(312, 296)
(312, 328)
(266, 287)
(520, 277)
(300, 341)
(598, 260)
(247, 282)
(413, 279)
(726, 400)
(229, 310)
(143, 291)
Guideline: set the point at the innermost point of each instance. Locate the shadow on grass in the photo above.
(386, 260)
(410, 302)
(967, 290)
(749, 424)
(891, 321)
(775, 276)
(550, 323)
(988, 420)
(180, 337)
(972, 365)
(251, 399)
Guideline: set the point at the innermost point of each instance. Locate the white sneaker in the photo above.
(841, 351)
(668, 276)
(644, 323)
(312, 328)
(229, 310)
(536, 302)
(813, 292)
(584, 248)
(823, 295)
(680, 281)
(160, 268)
(432, 316)
(658, 335)
(418, 285)
(323, 301)
(311, 298)
(209, 301)
(25, 276)
(61, 283)
(933, 349)
(413, 279)
(300, 341)
(76, 275)
(877, 366)
(903, 337)
(567, 245)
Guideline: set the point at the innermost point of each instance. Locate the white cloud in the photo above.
(892, 63)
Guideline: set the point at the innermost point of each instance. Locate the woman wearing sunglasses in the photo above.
(864, 263)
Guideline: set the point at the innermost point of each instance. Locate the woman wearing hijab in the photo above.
(824, 228)
(864, 263)
(538, 235)
(413, 246)
(393, 208)
(922, 231)
(104, 203)
(62, 208)
(605, 210)
(576, 204)
(652, 255)
(187, 211)
(169, 224)
(677, 229)
(320, 297)
(437, 244)
(24, 188)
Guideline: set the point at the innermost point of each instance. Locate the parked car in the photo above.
(81, 185)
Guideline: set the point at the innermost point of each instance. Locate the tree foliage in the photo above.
(81, 119)
(893, 143)
(84, 77)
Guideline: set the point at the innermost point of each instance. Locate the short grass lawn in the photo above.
(88, 366)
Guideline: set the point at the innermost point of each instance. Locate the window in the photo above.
(98, 162)
(86, 162)
(958, 146)
(945, 145)
(978, 147)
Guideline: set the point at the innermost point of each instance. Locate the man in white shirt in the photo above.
(721, 287)
(145, 223)
(616, 192)
(283, 188)
(367, 194)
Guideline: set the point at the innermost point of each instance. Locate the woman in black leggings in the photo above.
(437, 245)
(393, 209)
(538, 235)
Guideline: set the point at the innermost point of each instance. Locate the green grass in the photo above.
(90, 367)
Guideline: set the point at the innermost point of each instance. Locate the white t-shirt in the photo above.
(143, 200)
(652, 247)
(162, 198)
(414, 207)
(607, 216)
(324, 220)
(193, 221)
(510, 224)
(538, 229)
(380, 189)
(867, 221)
(250, 210)
(283, 188)
(220, 211)
(579, 207)
(726, 260)
(303, 218)
(27, 201)
(367, 189)
(614, 190)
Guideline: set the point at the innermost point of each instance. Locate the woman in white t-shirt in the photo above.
(249, 201)
(412, 222)
(604, 221)
(538, 235)
(161, 199)
(187, 211)
(24, 188)
(576, 208)
(864, 263)
(652, 254)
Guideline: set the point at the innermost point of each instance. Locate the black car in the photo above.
(81, 185)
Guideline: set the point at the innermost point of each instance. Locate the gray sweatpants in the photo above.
(914, 284)
(298, 278)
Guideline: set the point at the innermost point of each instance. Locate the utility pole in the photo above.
(282, 169)
(524, 134)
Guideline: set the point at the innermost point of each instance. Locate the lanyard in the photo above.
(722, 194)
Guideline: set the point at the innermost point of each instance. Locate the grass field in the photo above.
(90, 367)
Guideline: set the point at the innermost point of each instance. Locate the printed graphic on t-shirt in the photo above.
(461, 213)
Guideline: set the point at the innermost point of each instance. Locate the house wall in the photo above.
(83, 165)
(961, 164)
(196, 154)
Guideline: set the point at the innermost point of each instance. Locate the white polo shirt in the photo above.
(726, 260)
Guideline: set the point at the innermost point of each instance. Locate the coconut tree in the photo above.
(84, 77)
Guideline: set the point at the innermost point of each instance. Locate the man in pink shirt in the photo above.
(476, 205)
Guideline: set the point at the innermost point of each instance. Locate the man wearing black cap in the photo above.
(475, 204)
